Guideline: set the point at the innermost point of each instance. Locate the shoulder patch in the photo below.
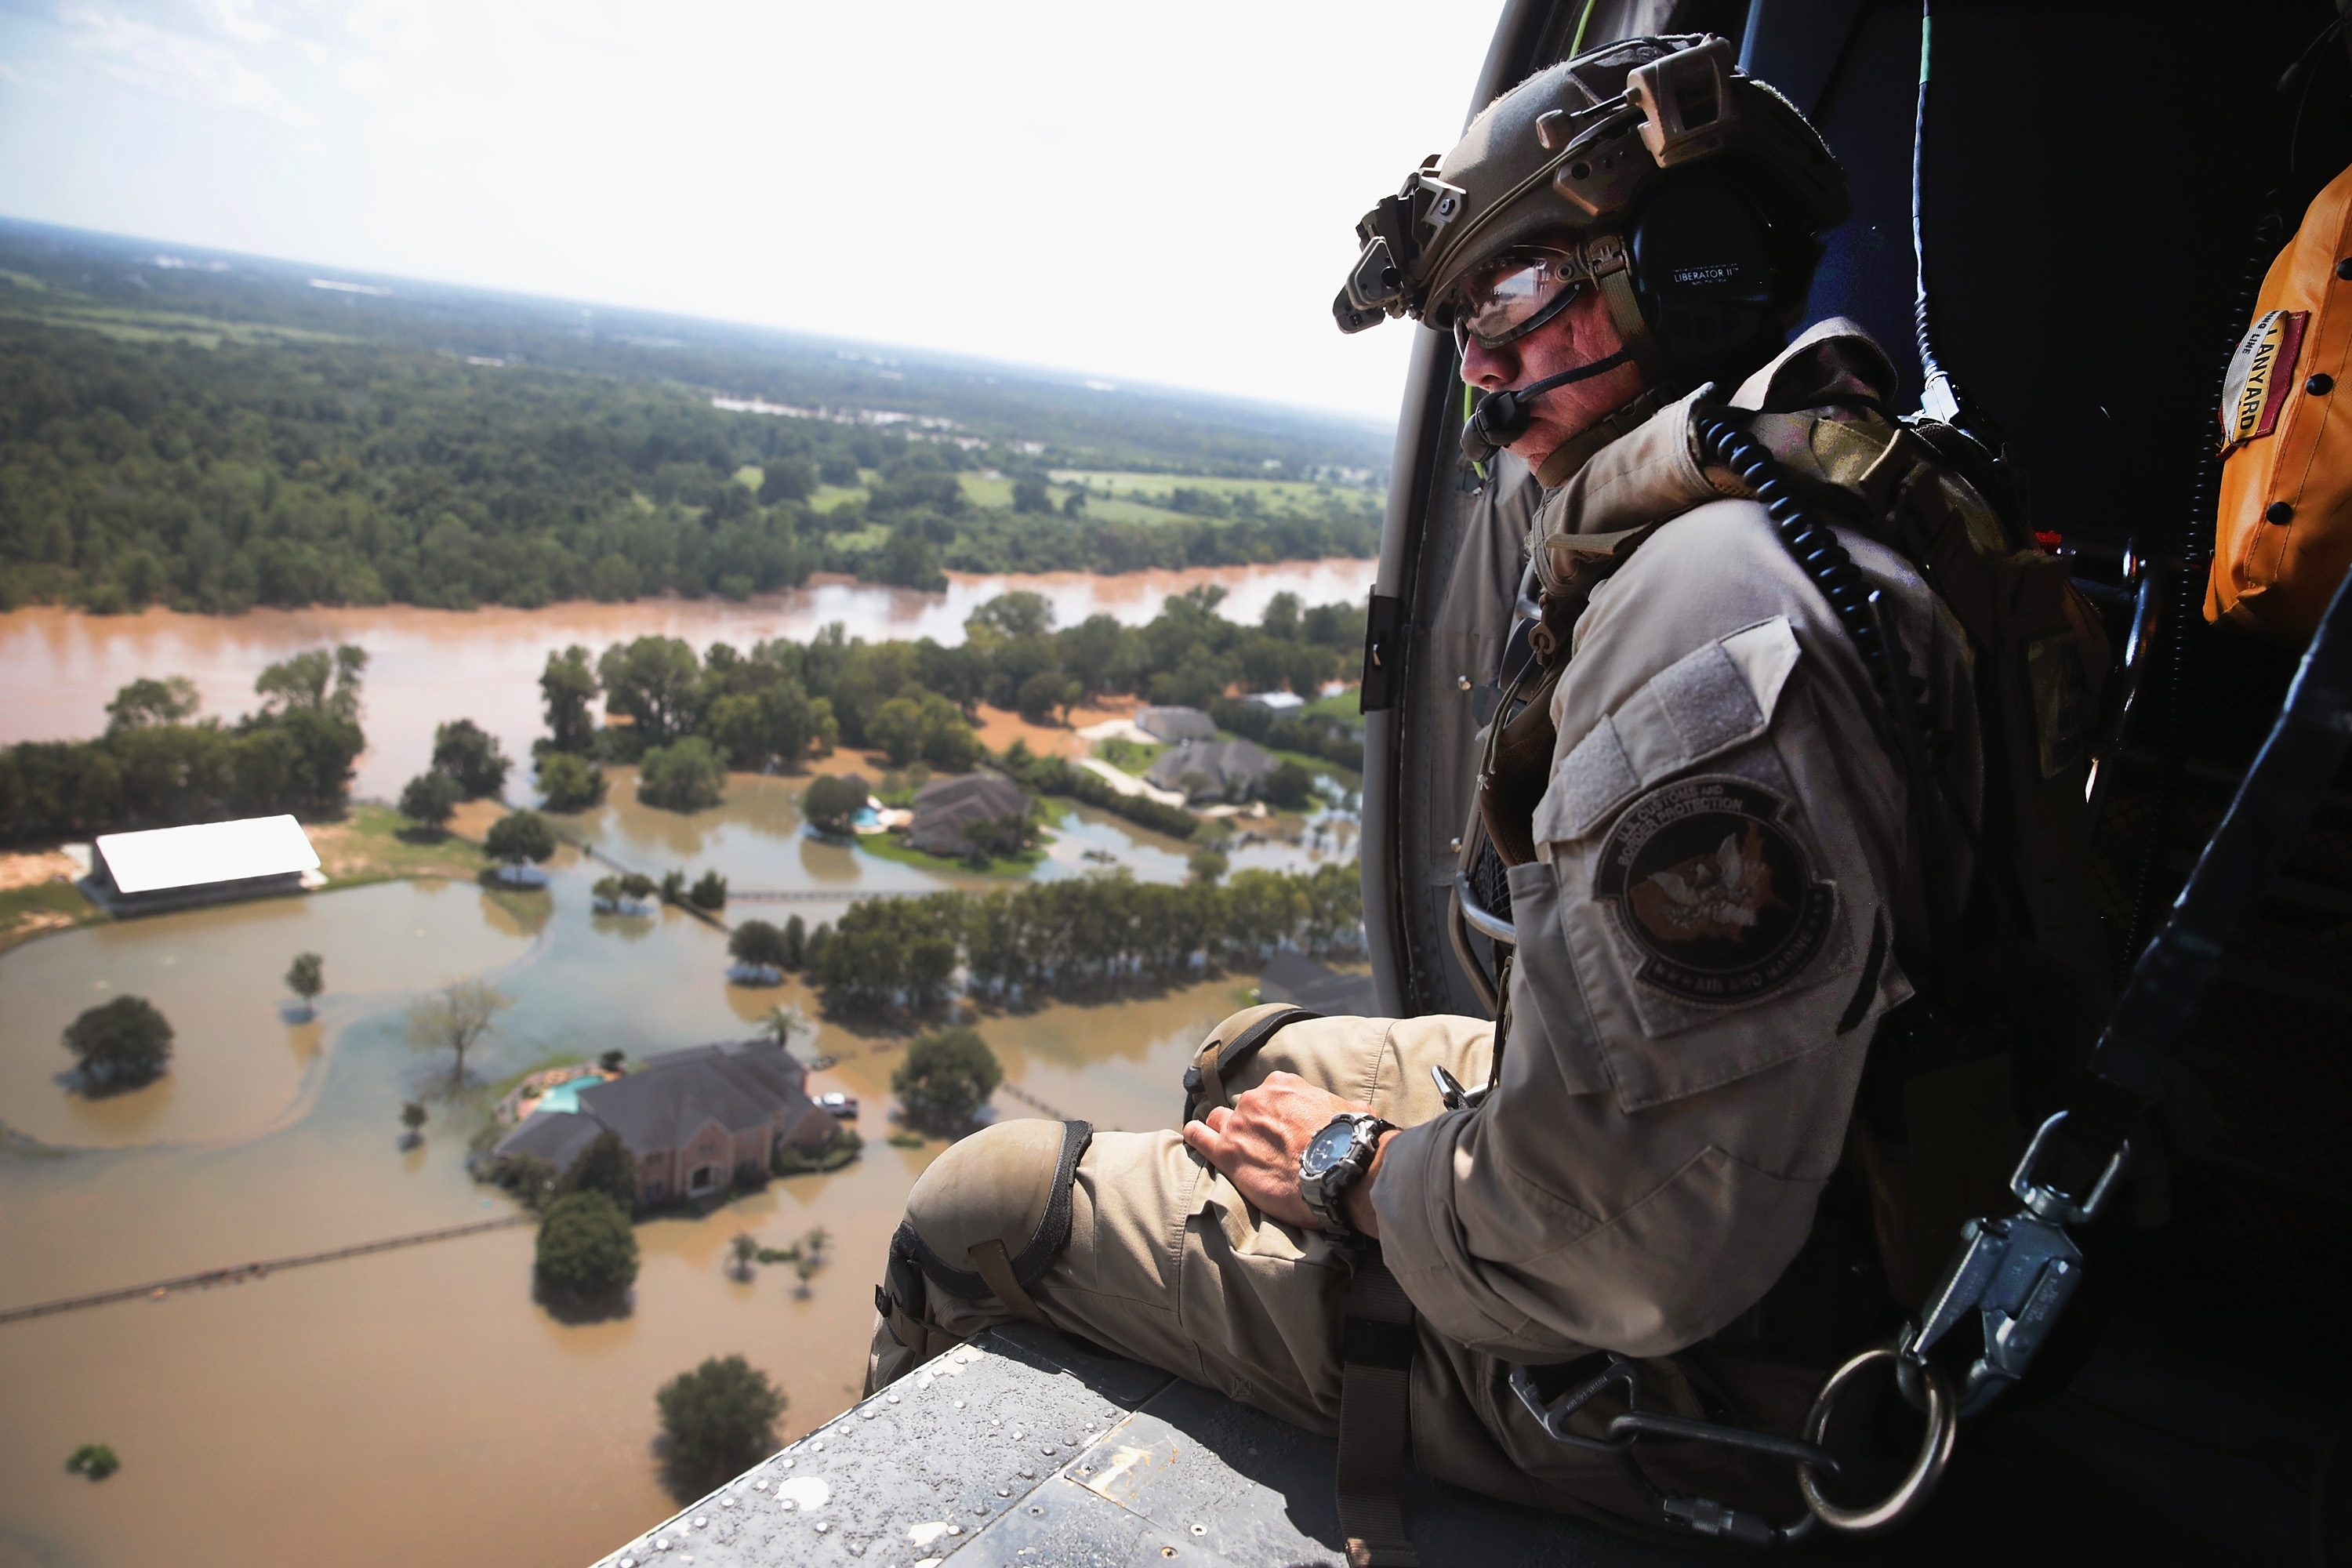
(1715, 697)
(1714, 890)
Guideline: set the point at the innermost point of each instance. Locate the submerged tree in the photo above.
(757, 943)
(570, 783)
(721, 1419)
(299, 684)
(306, 977)
(95, 1460)
(688, 774)
(518, 837)
(586, 1248)
(655, 682)
(782, 1023)
(412, 1117)
(945, 1079)
(743, 1247)
(471, 755)
(120, 1045)
(455, 1019)
(570, 686)
(831, 802)
(147, 701)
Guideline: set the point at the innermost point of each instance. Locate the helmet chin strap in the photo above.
(1502, 417)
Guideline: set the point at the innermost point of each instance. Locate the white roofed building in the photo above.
(1276, 702)
(172, 867)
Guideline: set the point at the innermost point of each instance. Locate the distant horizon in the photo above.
(1100, 380)
(1167, 198)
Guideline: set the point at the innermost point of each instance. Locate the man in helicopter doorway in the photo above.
(1697, 800)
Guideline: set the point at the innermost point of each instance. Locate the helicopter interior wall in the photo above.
(2093, 174)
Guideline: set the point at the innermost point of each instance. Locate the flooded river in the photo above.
(428, 667)
(417, 1405)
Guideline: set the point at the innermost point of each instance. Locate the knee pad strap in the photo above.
(993, 1265)
(1204, 1080)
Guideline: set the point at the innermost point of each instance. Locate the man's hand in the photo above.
(1257, 1144)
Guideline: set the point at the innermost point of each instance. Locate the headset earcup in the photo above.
(1707, 278)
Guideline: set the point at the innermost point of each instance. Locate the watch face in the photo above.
(1327, 1148)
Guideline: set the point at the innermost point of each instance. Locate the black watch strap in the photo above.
(1327, 1197)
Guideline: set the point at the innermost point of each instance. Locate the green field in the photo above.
(36, 303)
(1158, 489)
(894, 847)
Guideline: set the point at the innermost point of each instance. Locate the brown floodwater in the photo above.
(246, 1056)
(418, 1405)
(60, 667)
(756, 837)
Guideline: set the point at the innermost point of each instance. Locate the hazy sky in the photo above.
(1164, 193)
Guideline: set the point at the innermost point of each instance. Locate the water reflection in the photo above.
(430, 666)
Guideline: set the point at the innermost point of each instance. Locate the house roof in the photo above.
(1275, 701)
(1176, 723)
(1227, 769)
(557, 1137)
(739, 1084)
(207, 852)
(944, 806)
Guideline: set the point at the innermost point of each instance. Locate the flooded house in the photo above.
(203, 863)
(1213, 769)
(690, 1117)
(945, 807)
(1171, 725)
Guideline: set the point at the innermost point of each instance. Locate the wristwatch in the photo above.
(1336, 1159)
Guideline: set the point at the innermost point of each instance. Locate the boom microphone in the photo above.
(1502, 417)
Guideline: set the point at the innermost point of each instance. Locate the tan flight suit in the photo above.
(1705, 943)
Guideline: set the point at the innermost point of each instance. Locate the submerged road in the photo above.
(240, 1273)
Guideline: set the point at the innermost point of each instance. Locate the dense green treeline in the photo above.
(783, 702)
(215, 478)
(217, 437)
(1080, 937)
(159, 765)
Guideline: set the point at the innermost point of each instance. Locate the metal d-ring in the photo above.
(1927, 1469)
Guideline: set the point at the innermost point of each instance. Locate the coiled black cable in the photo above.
(1811, 543)
(1861, 611)
(1936, 394)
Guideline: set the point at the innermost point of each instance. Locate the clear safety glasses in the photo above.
(1512, 296)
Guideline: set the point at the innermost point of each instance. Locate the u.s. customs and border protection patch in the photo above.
(1714, 890)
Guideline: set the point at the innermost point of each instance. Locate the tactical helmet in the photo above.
(1691, 195)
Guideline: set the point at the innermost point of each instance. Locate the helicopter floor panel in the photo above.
(1026, 1450)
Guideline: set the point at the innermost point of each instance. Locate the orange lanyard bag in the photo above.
(2284, 535)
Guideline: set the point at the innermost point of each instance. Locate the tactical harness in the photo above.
(2019, 611)
(2014, 938)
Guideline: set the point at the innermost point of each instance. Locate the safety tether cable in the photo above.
(1936, 398)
